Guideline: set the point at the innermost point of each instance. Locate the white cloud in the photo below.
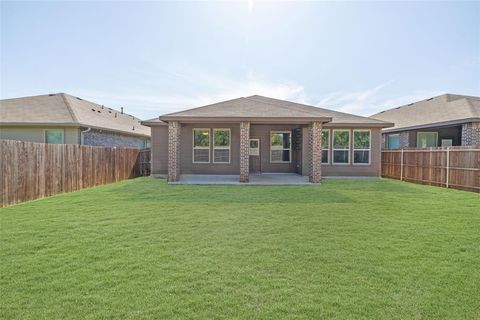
(182, 86)
(207, 88)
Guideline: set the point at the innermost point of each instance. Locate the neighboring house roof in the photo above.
(263, 109)
(65, 110)
(447, 109)
(154, 122)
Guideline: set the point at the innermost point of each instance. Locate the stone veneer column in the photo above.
(173, 151)
(471, 134)
(244, 151)
(316, 152)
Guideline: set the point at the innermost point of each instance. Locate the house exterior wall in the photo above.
(471, 134)
(105, 138)
(159, 149)
(408, 139)
(186, 150)
(371, 170)
(262, 132)
(37, 134)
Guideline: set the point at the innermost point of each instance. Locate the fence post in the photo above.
(401, 165)
(448, 166)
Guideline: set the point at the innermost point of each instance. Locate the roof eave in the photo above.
(358, 125)
(70, 125)
(432, 125)
(266, 120)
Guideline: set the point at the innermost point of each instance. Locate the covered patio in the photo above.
(255, 178)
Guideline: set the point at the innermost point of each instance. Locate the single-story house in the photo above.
(64, 119)
(446, 120)
(263, 135)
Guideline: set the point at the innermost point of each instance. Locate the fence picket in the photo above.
(35, 170)
(453, 167)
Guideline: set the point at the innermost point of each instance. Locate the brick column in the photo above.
(316, 152)
(244, 151)
(471, 134)
(173, 151)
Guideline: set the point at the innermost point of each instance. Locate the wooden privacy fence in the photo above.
(35, 170)
(451, 167)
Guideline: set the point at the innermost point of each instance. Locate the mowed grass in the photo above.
(142, 249)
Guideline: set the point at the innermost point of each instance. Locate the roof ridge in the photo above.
(196, 108)
(69, 107)
(319, 108)
(281, 106)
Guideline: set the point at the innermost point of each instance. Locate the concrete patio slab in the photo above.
(255, 179)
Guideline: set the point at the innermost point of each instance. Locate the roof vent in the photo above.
(79, 98)
(51, 94)
(411, 104)
(397, 107)
(115, 114)
(121, 109)
(102, 106)
(429, 99)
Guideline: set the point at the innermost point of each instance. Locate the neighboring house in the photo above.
(260, 134)
(61, 118)
(446, 120)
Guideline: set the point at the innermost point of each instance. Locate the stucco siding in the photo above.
(371, 170)
(186, 150)
(37, 134)
(159, 149)
(262, 132)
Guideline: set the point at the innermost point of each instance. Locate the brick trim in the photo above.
(244, 151)
(315, 152)
(174, 130)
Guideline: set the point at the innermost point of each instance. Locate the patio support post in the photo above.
(173, 151)
(316, 152)
(244, 151)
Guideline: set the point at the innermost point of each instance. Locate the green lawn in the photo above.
(142, 249)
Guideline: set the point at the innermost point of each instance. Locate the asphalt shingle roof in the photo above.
(446, 108)
(263, 107)
(64, 109)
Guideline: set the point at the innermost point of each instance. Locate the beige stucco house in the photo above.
(64, 119)
(263, 135)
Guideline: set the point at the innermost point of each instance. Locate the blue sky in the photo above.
(157, 57)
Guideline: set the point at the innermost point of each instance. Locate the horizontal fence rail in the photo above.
(451, 167)
(36, 170)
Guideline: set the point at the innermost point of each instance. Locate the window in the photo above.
(221, 145)
(393, 141)
(280, 146)
(54, 136)
(341, 146)
(325, 145)
(427, 139)
(201, 145)
(361, 146)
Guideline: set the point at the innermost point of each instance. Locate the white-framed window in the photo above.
(201, 145)
(393, 141)
(54, 136)
(280, 146)
(427, 139)
(221, 145)
(361, 146)
(326, 146)
(341, 146)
